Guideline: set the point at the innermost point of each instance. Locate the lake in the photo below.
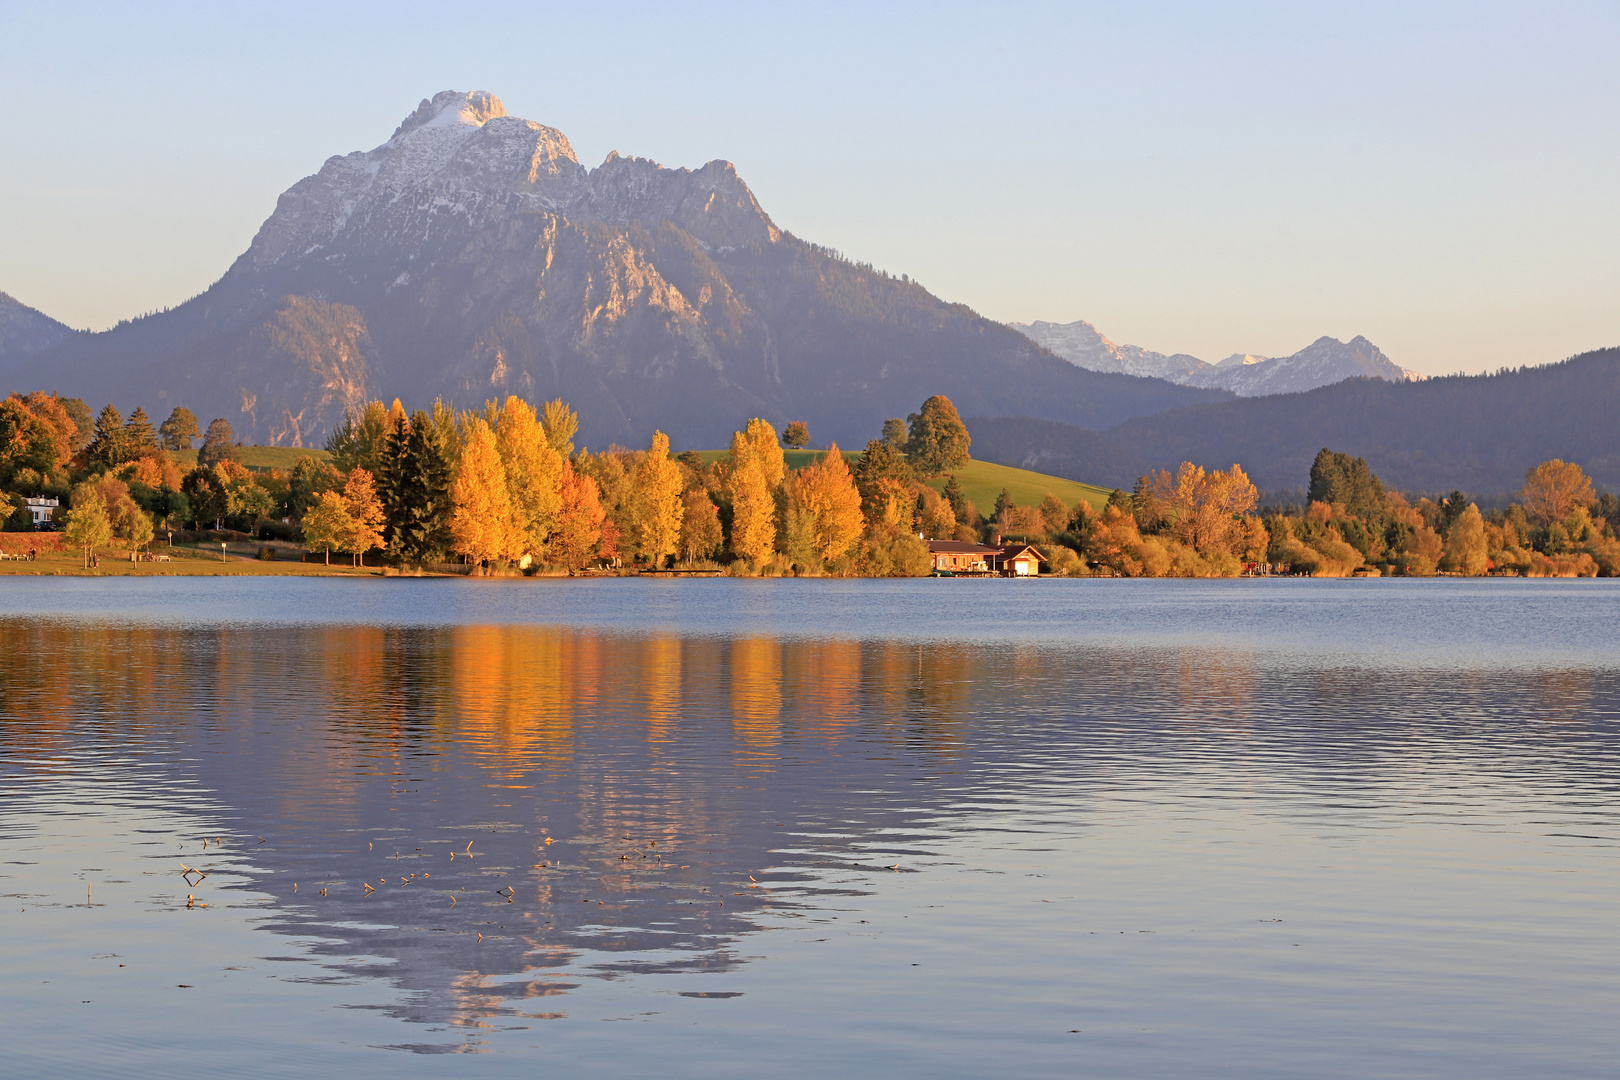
(1263, 828)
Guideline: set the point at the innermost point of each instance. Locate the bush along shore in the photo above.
(504, 491)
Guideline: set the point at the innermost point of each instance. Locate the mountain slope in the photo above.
(25, 331)
(472, 255)
(1479, 433)
(1322, 363)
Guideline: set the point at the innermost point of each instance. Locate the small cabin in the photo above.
(961, 557)
(1018, 560)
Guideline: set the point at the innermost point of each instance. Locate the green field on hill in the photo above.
(259, 458)
(981, 481)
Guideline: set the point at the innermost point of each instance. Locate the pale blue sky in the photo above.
(1196, 178)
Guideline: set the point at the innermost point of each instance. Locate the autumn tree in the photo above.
(824, 518)
(32, 438)
(1554, 488)
(179, 429)
(533, 473)
(579, 520)
(1202, 505)
(219, 444)
(481, 519)
(561, 424)
(757, 470)
(327, 524)
(796, 435)
(933, 515)
(365, 513)
(1465, 550)
(88, 526)
(659, 508)
(937, 439)
(701, 533)
(894, 434)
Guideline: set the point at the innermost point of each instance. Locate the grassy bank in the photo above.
(183, 562)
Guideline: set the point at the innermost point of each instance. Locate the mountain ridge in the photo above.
(471, 256)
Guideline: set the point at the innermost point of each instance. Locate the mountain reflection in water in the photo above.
(491, 818)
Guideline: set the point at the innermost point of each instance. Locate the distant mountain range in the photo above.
(1478, 433)
(472, 256)
(1321, 363)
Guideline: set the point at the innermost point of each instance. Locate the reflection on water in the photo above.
(465, 830)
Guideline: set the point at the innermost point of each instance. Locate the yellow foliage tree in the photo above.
(1465, 551)
(1203, 504)
(365, 513)
(481, 510)
(327, 524)
(757, 468)
(659, 509)
(533, 473)
(1554, 488)
(88, 526)
(561, 424)
(823, 501)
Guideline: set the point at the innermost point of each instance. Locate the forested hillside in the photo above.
(1474, 433)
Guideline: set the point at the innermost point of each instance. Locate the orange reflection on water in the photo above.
(756, 692)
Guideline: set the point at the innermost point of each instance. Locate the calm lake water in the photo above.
(810, 828)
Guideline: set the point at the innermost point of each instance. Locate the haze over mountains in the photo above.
(1321, 363)
(471, 255)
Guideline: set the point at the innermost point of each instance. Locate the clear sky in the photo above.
(1208, 179)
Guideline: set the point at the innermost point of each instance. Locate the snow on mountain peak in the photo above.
(451, 107)
(1324, 361)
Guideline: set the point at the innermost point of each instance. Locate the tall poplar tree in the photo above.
(533, 473)
(481, 514)
(757, 469)
(657, 486)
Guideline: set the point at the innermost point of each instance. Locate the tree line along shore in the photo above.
(504, 490)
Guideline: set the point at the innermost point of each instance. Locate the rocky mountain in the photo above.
(471, 255)
(1478, 433)
(25, 331)
(1322, 363)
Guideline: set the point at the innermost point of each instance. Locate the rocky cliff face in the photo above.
(1323, 362)
(471, 255)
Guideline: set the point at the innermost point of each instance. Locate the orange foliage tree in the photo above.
(579, 520)
(824, 509)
